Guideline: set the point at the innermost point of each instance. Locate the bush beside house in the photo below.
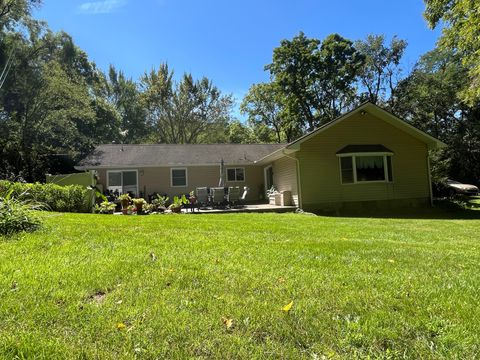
(71, 198)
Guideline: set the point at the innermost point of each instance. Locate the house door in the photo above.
(123, 181)
(268, 172)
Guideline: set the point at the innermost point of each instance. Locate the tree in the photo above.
(429, 99)
(380, 73)
(316, 80)
(125, 96)
(263, 106)
(461, 30)
(14, 11)
(187, 112)
(239, 133)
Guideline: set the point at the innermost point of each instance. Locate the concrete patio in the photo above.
(257, 208)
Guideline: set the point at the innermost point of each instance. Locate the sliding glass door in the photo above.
(123, 181)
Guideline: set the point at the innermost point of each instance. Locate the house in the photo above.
(366, 157)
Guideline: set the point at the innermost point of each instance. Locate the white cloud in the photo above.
(101, 7)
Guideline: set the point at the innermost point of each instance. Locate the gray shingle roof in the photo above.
(116, 155)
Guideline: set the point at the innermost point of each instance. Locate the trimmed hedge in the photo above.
(71, 198)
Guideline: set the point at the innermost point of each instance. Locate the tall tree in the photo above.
(263, 106)
(186, 112)
(13, 12)
(381, 71)
(125, 96)
(316, 79)
(429, 99)
(460, 21)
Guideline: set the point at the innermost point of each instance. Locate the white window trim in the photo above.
(235, 168)
(354, 167)
(186, 177)
(121, 177)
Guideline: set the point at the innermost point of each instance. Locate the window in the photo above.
(361, 168)
(179, 177)
(122, 181)
(236, 174)
(370, 168)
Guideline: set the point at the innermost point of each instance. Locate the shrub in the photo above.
(17, 215)
(71, 198)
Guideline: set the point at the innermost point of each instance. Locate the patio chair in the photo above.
(243, 198)
(218, 196)
(233, 196)
(202, 196)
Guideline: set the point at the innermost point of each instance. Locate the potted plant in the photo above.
(160, 203)
(271, 194)
(105, 207)
(125, 201)
(178, 202)
(138, 202)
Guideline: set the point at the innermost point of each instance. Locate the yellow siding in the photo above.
(320, 169)
(285, 176)
(157, 179)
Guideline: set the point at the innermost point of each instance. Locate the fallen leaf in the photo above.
(228, 323)
(121, 326)
(152, 256)
(118, 302)
(287, 307)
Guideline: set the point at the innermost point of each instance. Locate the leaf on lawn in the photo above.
(152, 256)
(287, 307)
(118, 302)
(281, 280)
(228, 323)
(121, 326)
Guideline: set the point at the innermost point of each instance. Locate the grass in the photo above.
(113, 287)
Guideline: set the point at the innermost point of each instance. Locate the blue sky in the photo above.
(228, 41)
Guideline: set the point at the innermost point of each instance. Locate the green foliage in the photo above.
(266, 110)
(380, 73)
(105, 207)
(240, 133)
(16, 213)
(178, 202)
(429, 99)
(160, 201)
(460, 21)
(139, 201)
(315, 79)
(71, 198)
(185, 112)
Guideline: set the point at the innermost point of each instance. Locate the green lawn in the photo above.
(110, 287)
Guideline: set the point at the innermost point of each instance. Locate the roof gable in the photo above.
(379, 113)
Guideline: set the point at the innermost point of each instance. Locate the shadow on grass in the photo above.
(459, 208)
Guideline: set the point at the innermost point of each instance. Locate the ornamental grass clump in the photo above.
(17, 215)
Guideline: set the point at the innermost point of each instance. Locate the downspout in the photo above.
(299, 184)
(429, 179)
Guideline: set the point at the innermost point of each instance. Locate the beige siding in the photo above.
(285, 176)
(320, 169)
(158, 179)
